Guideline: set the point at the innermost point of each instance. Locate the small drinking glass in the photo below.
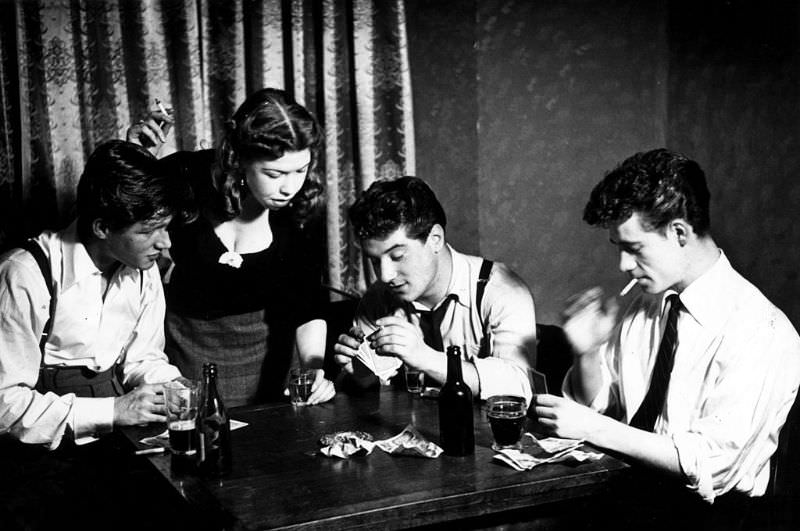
(506, 415)
(300, 382)
(413, 380)
(182, 397)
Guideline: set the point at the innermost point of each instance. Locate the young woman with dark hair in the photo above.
(245, 287)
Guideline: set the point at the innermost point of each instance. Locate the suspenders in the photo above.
(483, 279)
(44, 265)
(61, 380)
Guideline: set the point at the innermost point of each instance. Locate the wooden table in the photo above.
(279, 481)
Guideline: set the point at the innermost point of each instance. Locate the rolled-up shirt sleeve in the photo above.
(512, 327)
(738, 420)
(26, 414)
(734, 379)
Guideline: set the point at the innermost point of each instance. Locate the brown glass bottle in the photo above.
(214, 452)
(456, 430)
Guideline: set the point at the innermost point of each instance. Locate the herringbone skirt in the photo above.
(252, 358)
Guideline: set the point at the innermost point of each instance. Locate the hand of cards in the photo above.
(379, 301)
(384, 367)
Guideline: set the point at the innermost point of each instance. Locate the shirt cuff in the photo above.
(600, 402)
(697, 477)
(500, 377)
(162, 374)
(93, 416)
(156, 373)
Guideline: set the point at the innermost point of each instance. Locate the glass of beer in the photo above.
(300, 382)
(506, 415)
(182, 397)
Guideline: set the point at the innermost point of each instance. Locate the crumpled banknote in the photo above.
(344, 444)
(409, 442)
(548, 450)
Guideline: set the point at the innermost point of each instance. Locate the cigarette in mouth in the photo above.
(628, 287)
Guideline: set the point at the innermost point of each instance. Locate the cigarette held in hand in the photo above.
(161, 107)
(628, 287)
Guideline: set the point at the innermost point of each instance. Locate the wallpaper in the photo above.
(566, 90)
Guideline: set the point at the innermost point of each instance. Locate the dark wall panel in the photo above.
(562, 91)
(441, 37)
(735, 106)
(566, 91)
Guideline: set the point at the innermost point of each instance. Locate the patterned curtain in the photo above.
(74, 73)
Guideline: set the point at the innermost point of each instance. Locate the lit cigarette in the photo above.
(628, 287)
(148, 451)
(161, 107)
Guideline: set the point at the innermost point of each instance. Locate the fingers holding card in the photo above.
(384, 367)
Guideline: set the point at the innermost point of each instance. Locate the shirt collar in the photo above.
(459, 282)
(78, 265)
(708, 298)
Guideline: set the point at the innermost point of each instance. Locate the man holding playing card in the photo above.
(697, 374)
(428, 295)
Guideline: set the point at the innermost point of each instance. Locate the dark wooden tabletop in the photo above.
(280, 481)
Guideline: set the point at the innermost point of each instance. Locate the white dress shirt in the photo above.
(736, 373)
(88, 330)
(507, 310)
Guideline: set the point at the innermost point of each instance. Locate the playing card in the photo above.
(384, 367)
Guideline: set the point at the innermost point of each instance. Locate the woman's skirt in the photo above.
(252, 359)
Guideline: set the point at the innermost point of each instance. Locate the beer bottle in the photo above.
(456, 432)
(214, 452)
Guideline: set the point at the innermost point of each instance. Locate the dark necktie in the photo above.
(653, 403)
(430, 321)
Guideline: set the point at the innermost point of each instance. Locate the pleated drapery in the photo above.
(74, 73)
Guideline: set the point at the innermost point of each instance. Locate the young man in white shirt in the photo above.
(102, 363)
(401, 225)
(728, 380)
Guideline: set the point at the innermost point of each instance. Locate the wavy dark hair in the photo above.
(267, 125)
(389, 204)
(660, 185)
(122, 184)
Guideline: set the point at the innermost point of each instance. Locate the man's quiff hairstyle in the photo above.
(388, 205)
(123, 184)
(660, 185)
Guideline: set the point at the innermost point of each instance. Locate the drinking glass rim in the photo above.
(506, 398)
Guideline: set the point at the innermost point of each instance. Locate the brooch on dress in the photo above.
(231, 258)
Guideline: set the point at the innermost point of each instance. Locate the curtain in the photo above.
(74, 73)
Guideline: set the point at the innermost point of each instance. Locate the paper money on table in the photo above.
(553, 445)
(548, 450)
(343, 444)
(409, 442)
